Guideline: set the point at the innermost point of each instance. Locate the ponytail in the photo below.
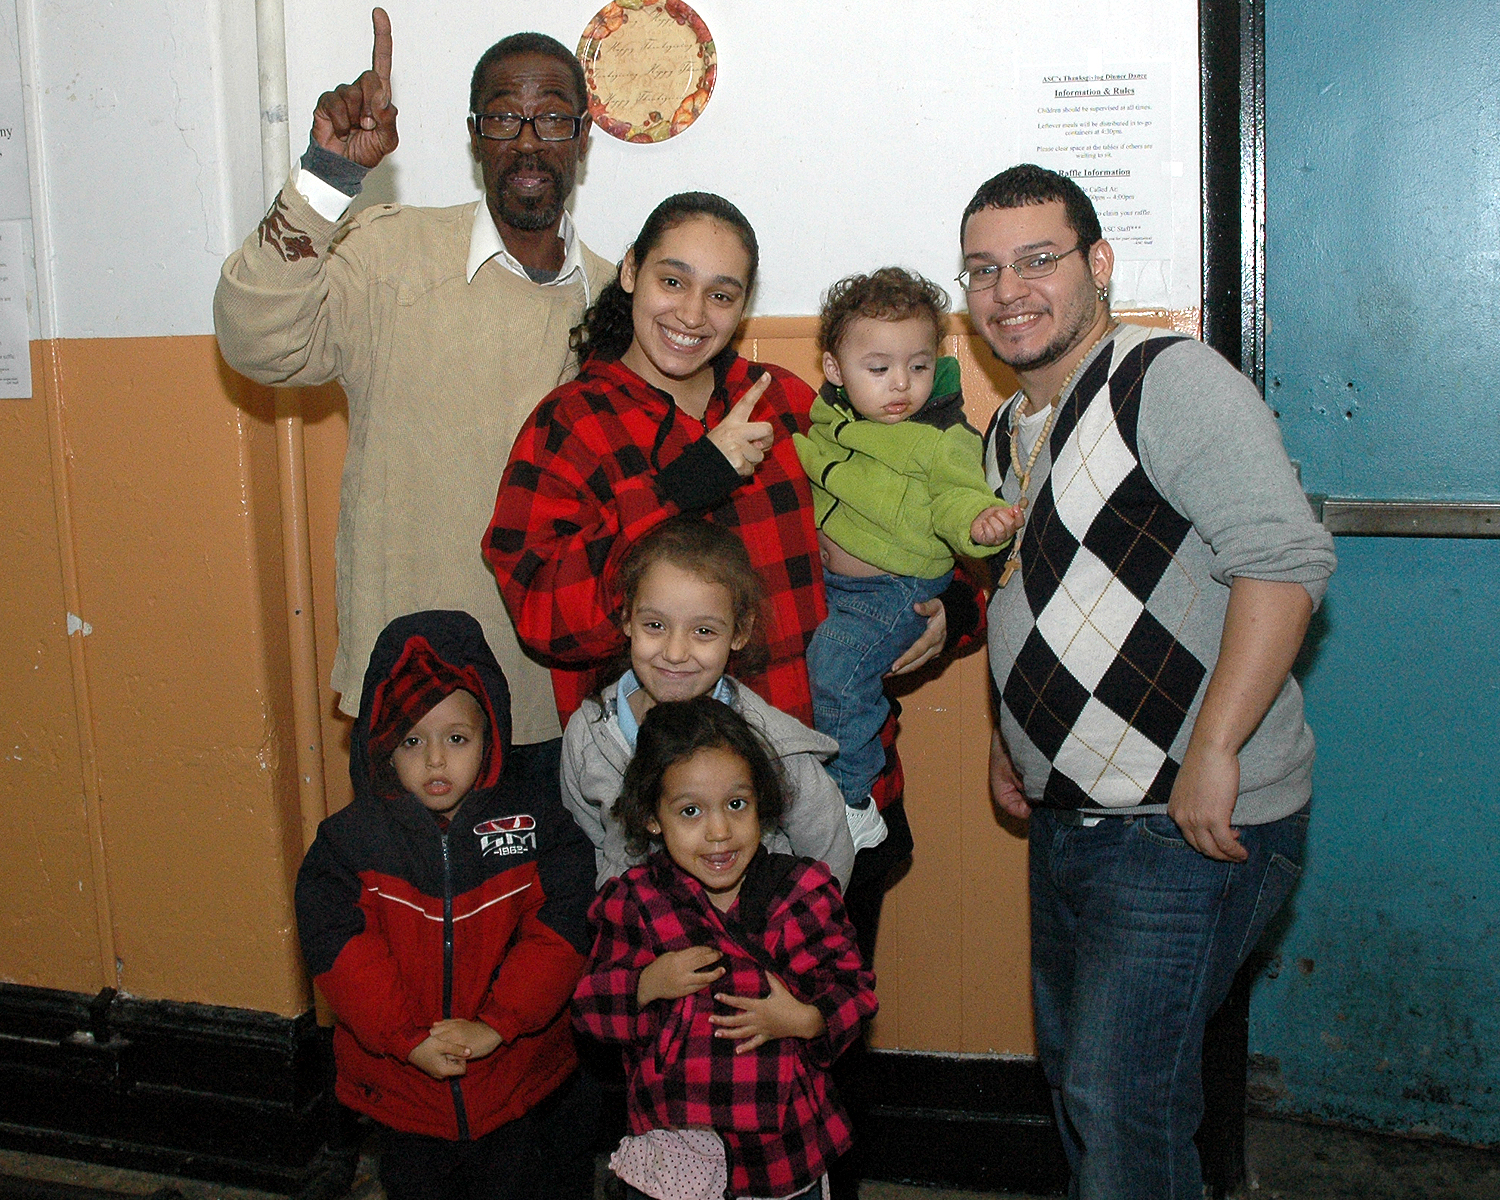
(607, 327)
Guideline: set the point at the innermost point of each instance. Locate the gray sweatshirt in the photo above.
(1164, 478)
(595, 755)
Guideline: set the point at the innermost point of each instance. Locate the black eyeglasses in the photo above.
(1030, 266)
(506, 127)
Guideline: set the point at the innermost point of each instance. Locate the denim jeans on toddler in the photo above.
(870, 624)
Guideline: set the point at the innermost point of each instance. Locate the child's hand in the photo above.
(439, 1057)
(476, 1037)
(996, 525)
(678, 973)
(759, 1021)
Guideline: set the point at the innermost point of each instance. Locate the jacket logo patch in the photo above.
(507, 835)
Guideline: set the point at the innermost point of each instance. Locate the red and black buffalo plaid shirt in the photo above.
(606, 458)
(589, 475)
(773, 1107)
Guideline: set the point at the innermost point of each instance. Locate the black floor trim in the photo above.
(196, 1090)
(972, 1121)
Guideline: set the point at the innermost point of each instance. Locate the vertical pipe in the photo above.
(51, 383)
(291, 468)
(110, 967)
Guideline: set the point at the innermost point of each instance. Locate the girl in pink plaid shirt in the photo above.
(728, 975)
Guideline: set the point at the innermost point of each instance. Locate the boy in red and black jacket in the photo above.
(443, 916)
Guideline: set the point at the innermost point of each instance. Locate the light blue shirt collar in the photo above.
(630, 728)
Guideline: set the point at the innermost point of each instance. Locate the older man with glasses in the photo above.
(445, 327)
(1142, 632)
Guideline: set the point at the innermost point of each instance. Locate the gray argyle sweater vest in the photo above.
(1095, 684)
(1102, 646)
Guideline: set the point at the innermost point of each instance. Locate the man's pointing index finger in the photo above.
(380, 57)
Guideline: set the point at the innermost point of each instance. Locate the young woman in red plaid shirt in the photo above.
(729, 976)
(665, 418)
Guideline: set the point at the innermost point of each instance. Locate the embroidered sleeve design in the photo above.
(285, 238)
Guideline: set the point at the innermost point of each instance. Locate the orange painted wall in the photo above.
(48, 925)
(148, 805)
(149, 821)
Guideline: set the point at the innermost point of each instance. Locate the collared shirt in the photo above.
(630, 728)
(485, 242)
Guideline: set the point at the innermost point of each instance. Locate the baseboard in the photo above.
(216, 1093)
(973, 1121)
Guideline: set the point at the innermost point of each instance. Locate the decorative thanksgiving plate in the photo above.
(650, 66)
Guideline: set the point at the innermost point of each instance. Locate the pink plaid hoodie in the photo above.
(774, 1107)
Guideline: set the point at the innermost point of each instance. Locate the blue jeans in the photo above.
(1135, 940)
(870, 624)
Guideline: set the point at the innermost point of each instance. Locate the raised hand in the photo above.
(745, 443)
(357, 120)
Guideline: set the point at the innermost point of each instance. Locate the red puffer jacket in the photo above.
(404, 923)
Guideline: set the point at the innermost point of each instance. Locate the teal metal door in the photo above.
(1382, 1007)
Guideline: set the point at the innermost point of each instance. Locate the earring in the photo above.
(1103, 293)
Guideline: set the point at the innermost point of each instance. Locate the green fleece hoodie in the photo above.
(901, 497)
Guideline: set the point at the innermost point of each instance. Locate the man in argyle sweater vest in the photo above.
(1141, 639)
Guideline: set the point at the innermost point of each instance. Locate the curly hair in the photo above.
(889, 294)
(608, 327)
(673, 732)
(714, 554)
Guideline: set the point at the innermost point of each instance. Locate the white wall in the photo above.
(851, 134)
(145, 158)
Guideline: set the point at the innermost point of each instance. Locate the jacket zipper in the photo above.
(454, 1084)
